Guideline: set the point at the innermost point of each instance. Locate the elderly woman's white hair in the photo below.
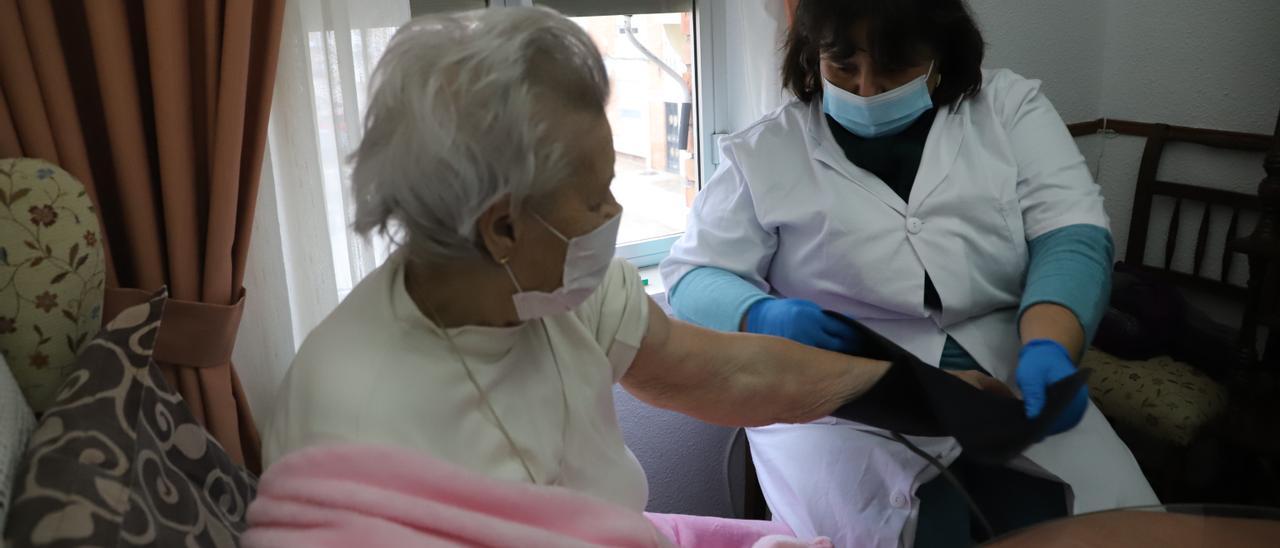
(462, 113)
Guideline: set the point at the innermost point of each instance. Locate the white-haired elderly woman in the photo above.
(493, 337)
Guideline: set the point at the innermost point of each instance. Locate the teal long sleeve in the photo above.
(713, 298)
(1071, 267)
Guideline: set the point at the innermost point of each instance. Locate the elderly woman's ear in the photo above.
(496, 229)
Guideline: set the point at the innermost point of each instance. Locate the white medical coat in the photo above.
(789, 213)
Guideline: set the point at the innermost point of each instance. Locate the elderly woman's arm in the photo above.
(737, 379)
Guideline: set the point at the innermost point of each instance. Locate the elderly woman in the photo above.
(493, 337)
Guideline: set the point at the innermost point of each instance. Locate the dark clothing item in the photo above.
(895, 159)
(1149, 317)
(914, 398)
(917, 399)
(1009, 499)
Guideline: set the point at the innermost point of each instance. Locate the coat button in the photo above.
(898, 500)
(914, 225)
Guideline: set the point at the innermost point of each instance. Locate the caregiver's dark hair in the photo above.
(897, 32)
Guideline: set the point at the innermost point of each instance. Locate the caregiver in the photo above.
(945, 207)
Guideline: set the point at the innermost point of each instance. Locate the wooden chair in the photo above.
(1251, 430)
(1259, 246)
(1169, 413)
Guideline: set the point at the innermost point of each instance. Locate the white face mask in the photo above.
(586, 261)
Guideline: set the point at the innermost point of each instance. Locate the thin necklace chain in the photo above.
(484, 398)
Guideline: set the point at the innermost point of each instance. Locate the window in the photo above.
(423, 7)
(650, 58)
(651, 52)
(650, 49)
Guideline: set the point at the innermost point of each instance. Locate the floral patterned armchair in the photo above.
(51, 274)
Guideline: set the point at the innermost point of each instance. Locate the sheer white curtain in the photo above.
(343, 42)
(329, 49)
(304, 257)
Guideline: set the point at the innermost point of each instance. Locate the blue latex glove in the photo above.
(1041, 363)
(803, 322)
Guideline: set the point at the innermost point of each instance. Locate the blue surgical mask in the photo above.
(879, 115)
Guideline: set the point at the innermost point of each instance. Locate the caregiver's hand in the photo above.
(801, 321)
(1041, 363)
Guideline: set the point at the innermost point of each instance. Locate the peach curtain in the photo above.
(160, 107)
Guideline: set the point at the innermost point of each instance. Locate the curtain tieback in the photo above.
(192, 334)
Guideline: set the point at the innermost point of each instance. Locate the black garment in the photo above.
(914, 398)
(1149, 317)
(895, 159)
(1010, 500)
(917, 399)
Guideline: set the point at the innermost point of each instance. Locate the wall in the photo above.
(1059, 43)
(1194, 63)
(750, 69)
(685, 459)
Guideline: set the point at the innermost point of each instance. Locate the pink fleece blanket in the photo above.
(371, 496)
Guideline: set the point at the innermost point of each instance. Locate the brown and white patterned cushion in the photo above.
(119, 460)
(1164, 398)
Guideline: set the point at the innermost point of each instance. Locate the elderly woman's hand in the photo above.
(984, 382)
